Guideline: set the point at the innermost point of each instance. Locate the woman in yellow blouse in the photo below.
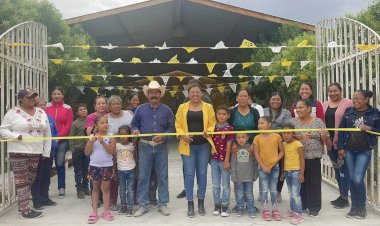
(195, 116)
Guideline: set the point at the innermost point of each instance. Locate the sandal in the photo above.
(92, 218)
(107, 215)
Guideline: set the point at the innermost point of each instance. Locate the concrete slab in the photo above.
(72, 211)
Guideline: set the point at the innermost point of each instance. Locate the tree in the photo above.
(370, 16)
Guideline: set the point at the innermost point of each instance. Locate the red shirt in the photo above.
(220, 141)
(62, 115)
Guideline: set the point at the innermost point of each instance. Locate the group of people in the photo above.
(235, 141)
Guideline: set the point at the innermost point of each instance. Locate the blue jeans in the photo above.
(357, 164)
(126, 183)
(268, 182)
(150, 156)
(196, 162)
(220, 177)
(294, 188)
(60, 163)
(245, 188)
(341, 173)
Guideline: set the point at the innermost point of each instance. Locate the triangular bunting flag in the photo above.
(190, 49)
(212, 76)
(276, 49)
(221, 89)
(97, 60)
(175, 88)
(233, 87)
(208, 90)
(104, 77)
(173, 60)
(80, 88)
(303, 77)
(172, 92)
(142, 46)
(185, 87)
(242, 76)
(181, 78)
(57, 61)
(288, 79)
(247, 64)
(303, 43)
(85, 47)
(220, 45)
(155, 61)
(192, 61)
(247, 44)
(304, 63)
(230, 65)
(196, 77)
(76, 60)
(109, 88)
(135, 60)
(119, 76)
(256, 79)
(333, 44)
(271, 78)
(208, 85)
(243, 84)
(109, 46)
(186, 93)
(227, 73)
(210, 66)
(118, 60)
(136, 75)
(56, 45)
(87, 78)
(135, 90)
(150, 78)
(162, 47)
(286, 63)
(265, 64)
(95, 89)
(165, 79)
(364, 47)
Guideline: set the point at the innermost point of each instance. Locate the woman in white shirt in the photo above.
(20, 122)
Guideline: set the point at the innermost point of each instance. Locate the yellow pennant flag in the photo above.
(221, 89)
(286, 63)
(303, 44)
(119, 76)
(210, 66)
(244, 84)
(85, 47)
(180, 78)
(175, 88)
(87, 78)
(190, 49)
(247, 64)
(173, 60)
(247, 44)
(17, 44)
(97, 60)
(142, 46)
(57, 61)
(150, 77)
(135, 60)
(96, 89)
(364, 47)
(172, 92)
(271, 78)
(212, 76)
(242, 76)
(303, 77)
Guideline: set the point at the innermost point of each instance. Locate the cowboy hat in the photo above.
(154, 85)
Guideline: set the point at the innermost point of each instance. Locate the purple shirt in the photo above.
(153, 120)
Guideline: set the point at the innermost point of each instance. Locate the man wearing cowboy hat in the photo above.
(153, 118)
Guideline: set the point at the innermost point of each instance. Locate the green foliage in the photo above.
(13, 12)
(371, 16)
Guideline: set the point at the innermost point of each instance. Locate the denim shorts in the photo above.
(100, 173)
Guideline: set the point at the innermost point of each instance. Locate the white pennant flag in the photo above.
(109, 88)
(185, 87)
(230, 66)
(227, 73)
(80, 88)
(192, 61)
(276, 49)
(208, 85)
(220, 45)
(266, 64)
(304, 63)
(135, 90)
(256, 79)
(76, 60)
(208, 90)
(104, 77)
(165, 79)
(136, 75)
(196, 77)
(155, 61)
(288, 79)
(110, 46)
(186, 93)
(162, 47)
(56, 45)
(233, 87)
(118, 60)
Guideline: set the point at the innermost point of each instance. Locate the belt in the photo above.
(150, 142)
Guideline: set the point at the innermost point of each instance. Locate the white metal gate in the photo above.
(23, 64)
(340, 60)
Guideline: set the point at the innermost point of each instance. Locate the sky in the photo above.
(307, 11)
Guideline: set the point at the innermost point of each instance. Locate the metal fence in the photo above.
(345, 63)
(23, 64)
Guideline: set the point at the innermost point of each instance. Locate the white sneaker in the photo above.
(61, 192)
(164, 210)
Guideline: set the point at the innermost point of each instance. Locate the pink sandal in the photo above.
(93, 218)
(107, 215)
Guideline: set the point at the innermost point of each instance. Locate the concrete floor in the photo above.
(72, 211)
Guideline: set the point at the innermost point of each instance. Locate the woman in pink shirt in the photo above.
(63, 117)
